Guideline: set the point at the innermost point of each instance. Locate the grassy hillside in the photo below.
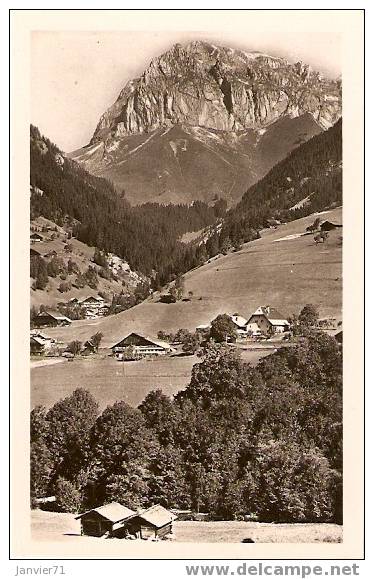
(284, 273)
(57, 243)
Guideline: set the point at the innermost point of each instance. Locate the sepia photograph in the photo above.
(186, 240)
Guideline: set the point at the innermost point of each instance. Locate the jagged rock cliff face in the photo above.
(219, 88)
(221, 101)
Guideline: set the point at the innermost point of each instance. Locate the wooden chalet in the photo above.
(203, 328)
(40, 343)
(104, 520)
(93, 306)
(153, 523)
(51, 319)
(142, 346)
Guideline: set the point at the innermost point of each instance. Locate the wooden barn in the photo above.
(40, 343)
(51, 319)
(153, 523)
(143, 346)
(104, 520)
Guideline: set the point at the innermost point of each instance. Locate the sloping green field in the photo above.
(285, 273)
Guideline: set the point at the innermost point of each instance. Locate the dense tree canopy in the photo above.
(265, 441)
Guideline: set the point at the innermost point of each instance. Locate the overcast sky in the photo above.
(76, 76)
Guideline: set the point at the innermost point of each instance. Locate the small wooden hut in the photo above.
(153, 523)
(104, 520)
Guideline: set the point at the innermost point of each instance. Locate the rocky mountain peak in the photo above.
(220, 88)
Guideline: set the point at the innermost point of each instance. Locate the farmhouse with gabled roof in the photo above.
(51, 319)
(36, 237)
(268, 319)
(142, 345)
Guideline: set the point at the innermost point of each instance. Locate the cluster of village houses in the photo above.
(265, 321)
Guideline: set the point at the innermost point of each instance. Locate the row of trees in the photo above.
(222, 329)
(237, 440)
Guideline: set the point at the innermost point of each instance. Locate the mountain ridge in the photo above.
(204, 122)
(220, 88)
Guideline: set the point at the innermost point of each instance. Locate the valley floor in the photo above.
(46, 526)
(285, 268)
(109, 380)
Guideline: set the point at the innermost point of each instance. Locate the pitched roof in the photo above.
(239, 320)
(157, 516)
(113, 512)
(55, 315)
(41, 336)
(272, 314)
(159, 343)
(92, 299)
(38, 340)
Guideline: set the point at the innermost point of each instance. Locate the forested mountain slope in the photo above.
(146, 237)
(308, 180)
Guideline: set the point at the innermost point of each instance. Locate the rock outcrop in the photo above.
(221, 102)
(219, 88)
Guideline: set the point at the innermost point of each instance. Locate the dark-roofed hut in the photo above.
(104, 520)
(37, 346)
(153, 523)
